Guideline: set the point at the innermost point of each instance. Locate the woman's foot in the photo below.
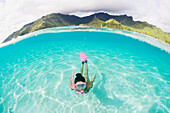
(85, 59)
(82, 57)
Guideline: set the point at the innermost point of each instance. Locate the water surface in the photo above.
(131, 76)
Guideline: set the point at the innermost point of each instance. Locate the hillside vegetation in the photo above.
(96, 20)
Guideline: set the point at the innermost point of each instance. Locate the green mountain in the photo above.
(98, 20)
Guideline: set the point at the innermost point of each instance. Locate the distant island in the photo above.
(95, 20)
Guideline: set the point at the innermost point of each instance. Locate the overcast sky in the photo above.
(16, 13)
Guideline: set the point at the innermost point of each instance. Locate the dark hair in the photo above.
(79, 77)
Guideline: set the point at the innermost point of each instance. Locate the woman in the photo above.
(82, 84)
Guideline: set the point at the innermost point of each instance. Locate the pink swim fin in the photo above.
(82, 56)
(85, 58)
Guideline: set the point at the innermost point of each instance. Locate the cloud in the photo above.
(16, 13)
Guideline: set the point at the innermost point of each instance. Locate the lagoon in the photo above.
(131, 75)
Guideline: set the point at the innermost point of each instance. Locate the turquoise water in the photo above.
(131, 76)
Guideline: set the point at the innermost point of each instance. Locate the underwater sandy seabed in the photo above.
(131, 75)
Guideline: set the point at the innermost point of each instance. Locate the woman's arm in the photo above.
(90, 84)
(94, 76)
(71, 86)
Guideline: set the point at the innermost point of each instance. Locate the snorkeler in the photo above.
(82, 84)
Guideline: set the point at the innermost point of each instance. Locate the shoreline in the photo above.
(141, 37)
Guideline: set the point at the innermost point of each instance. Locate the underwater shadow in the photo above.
(101, 94)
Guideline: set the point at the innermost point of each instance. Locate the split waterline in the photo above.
(153, 41)
(131, 75)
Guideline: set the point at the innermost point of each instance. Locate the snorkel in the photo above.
(79, 86)
(81, 93)
(73, 80)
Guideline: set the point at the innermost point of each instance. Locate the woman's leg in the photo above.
(86, 72)
(81, 69)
